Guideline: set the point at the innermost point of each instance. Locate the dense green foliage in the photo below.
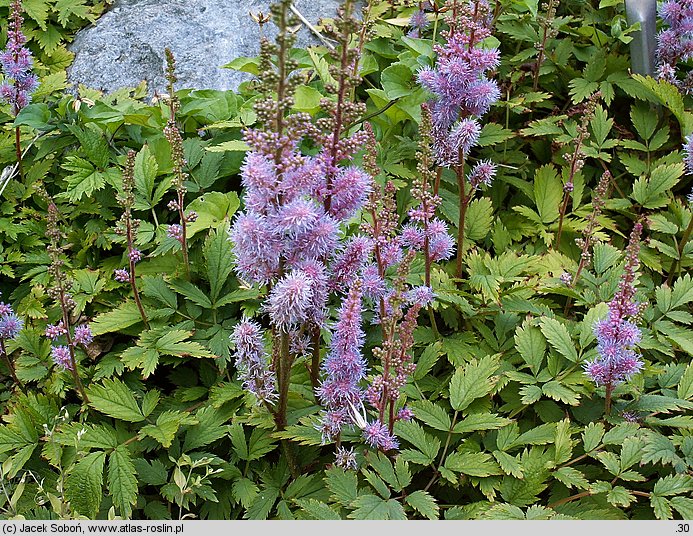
(507, 425)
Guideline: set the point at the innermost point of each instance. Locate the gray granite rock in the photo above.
(126, 45)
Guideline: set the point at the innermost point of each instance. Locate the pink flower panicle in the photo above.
(251, 361)
(459, 81)
(617, 335)
(344, 367)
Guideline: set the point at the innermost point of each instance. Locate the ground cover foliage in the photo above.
(147, 417)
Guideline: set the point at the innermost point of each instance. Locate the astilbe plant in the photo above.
(177, 231)
(64, 356)
(389, 248)
(618, 334)
(289, 235)
(463, 93)
(20, 82)
(576, 158)
(10, 327)
(127, 227)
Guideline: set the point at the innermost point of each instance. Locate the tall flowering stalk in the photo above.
(617, 335)
(20, 82)
(463, 93)
(548, 31)
(172, 133)
(10, 327)
(577, 157)
(63, 356)
(675, 43)
(588, 234)
(289, 235)
(127, 226)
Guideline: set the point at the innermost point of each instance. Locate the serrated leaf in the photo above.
(478, 219)
(167, 426)
(548, 193)
(218, 261)
(191, 292)
(531, 345)
(559, 338)
(413, 433)
(472, 381)
(650, 193)
(673, 485)
(560, 393)
(123, 316)
(115, 399)
(122, 482)
(153, 473)
(424, 503)
(375, 508)
(317, 510)
(480, 421)
(685, 387)
(539, 435)
(473, 464)
(605, 256)
(592, 436)
(146, 169)
(432, 414)
(210, 427)
(244, 490)
(571, 477)
(510, 464)
(83, 486)
(342, 484)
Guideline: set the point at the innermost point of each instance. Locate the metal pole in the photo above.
(644, 43)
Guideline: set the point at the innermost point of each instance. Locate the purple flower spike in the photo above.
(617, 362)
(344, 367)
(251, 361)
(122, 276)
(10, 326)
(16, 61)
(61, 357)
(135, 255)
(175, 231)
(290, 299)
(53, 331)
(83, 335)
(377, 436)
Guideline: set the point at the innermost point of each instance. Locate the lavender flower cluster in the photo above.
(16, 61)
(618, 334)
(291, 236)
(460, 84)
(675, 44)
(63, 355)
(10, 323)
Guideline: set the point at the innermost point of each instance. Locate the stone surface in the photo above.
(126, 45)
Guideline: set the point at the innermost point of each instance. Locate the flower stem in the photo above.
(564, 207)
(607, 399)
(71, 345)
